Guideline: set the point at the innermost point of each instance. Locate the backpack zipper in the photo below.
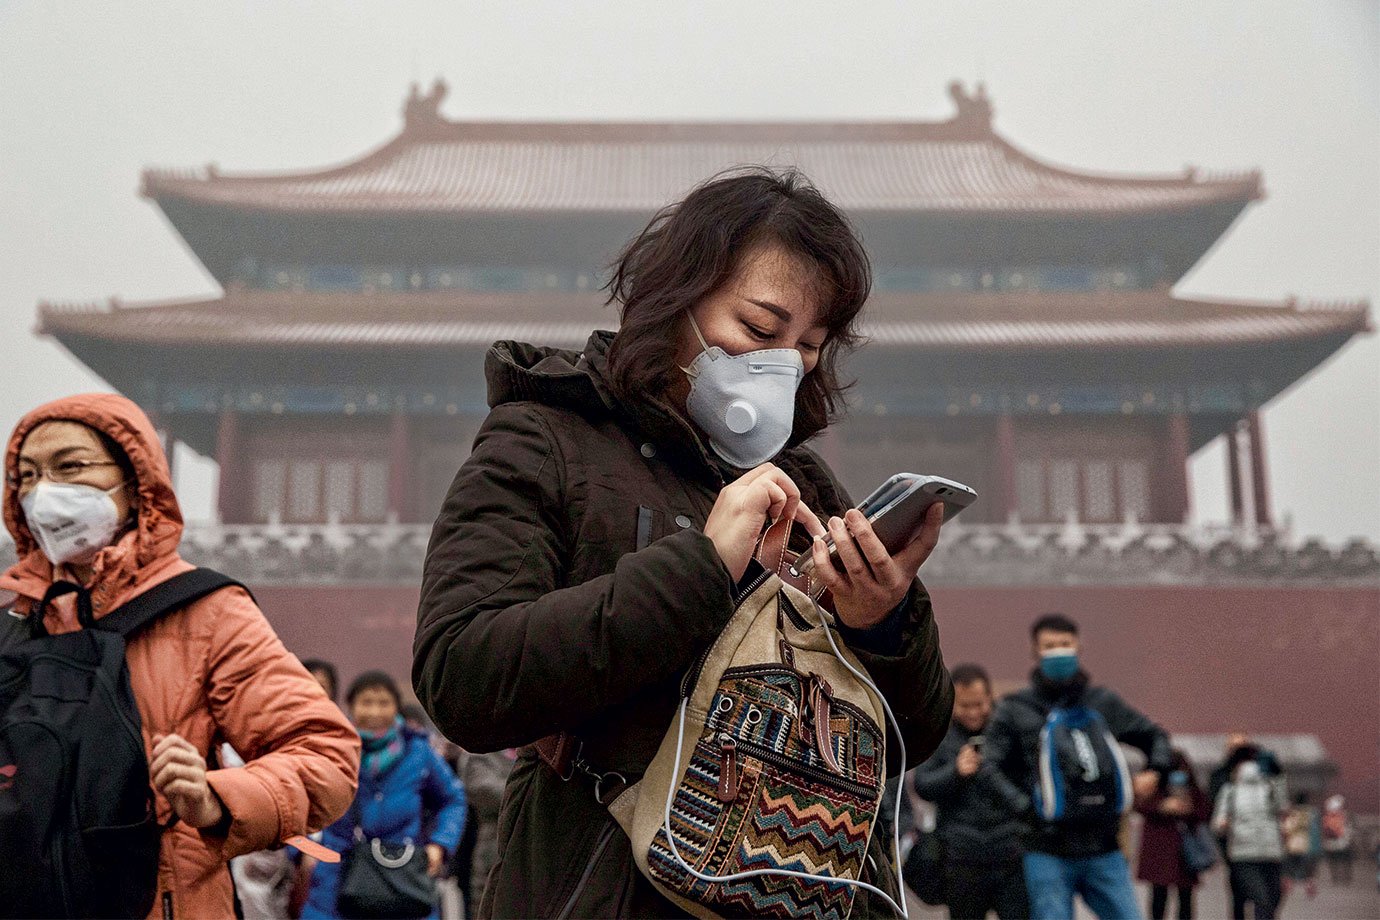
(824, 777)
(599, 845)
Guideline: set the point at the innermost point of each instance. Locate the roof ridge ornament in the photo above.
(424, 110)
(972, 110)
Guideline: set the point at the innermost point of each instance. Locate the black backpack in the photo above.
(78, 832)
(1083, 778)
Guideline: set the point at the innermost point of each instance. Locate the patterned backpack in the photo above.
(764, 794)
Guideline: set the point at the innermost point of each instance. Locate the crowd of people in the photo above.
(162, 754)
(1002, 850)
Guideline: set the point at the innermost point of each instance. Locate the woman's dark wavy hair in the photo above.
(691, 248)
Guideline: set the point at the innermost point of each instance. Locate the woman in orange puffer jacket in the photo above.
(212, 672)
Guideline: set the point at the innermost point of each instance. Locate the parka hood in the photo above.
(579, 381)
(158, 528)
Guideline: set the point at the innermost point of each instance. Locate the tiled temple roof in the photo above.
(434, 165)
(928, 321)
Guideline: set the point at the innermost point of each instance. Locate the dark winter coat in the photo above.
(1162, 841)
(568, 586)
(390, 807)
(975, 823)
(1011, 756)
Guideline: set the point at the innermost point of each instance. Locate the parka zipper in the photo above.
(599, 845)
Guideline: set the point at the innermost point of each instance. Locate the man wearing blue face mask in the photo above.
(1053, 753)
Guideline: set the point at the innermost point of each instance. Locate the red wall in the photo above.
(1267, 660)
(1195, 659)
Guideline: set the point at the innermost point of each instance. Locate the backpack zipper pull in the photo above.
(728, 769)
(820, 696)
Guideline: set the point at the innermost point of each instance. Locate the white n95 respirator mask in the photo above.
(71, 521)
(745, 403)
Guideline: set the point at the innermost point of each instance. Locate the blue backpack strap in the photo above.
(1049, 781)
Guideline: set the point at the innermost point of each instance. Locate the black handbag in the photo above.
(383, 880)
(923, 870)
(1199, 849)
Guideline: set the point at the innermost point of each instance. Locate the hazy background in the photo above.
(90, 95)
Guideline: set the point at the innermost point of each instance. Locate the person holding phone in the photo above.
(1171, 811)
(589, 547)
(981, 836)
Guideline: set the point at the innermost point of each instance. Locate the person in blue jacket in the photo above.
(402, 783)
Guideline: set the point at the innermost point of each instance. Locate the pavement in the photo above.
(1358, 901)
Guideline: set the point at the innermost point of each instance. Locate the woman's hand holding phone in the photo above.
(872, 581)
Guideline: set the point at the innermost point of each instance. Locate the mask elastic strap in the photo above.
(696, 326)
(690, 371)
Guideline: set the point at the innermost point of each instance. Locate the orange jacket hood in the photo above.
(158, 527)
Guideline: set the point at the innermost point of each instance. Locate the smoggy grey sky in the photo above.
(91, 94)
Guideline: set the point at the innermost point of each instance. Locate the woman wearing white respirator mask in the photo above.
(590, 546)
(90, 504)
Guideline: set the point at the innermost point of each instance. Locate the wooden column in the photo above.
(1260, 489)
(1177, 469)
(228, 493)
(399, 466)
(1238, 499)
(1006, 467)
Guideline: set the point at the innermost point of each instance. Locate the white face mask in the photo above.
(745, 403)
(70, 521)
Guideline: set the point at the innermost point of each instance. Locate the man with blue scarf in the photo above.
(1052, 752)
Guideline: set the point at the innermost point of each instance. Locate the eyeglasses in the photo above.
(63, 471)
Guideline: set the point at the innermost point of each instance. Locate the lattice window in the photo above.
(1063, 489)
(1099, 499)
(1133, 485)
(270, 489)
(1030, 490)
(340, 490)
(304, 491)
(373, 490)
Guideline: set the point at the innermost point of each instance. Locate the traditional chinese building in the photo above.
(1025, 338)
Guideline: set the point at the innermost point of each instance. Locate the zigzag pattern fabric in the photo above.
(789, 809)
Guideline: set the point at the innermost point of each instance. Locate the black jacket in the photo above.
(976, 823)
(567, 587)
(1011, 754)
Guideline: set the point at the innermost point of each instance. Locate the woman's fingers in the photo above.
(172, 776)
(813, 525)
(853, 562)
(754, 474)
(825, 570)
(918, 550)
(170, 754)
(778, 501)
(873, 550)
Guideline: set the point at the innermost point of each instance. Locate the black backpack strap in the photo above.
(174, 594)
(38, 629)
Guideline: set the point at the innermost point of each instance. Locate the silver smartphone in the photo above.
(896, 509)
